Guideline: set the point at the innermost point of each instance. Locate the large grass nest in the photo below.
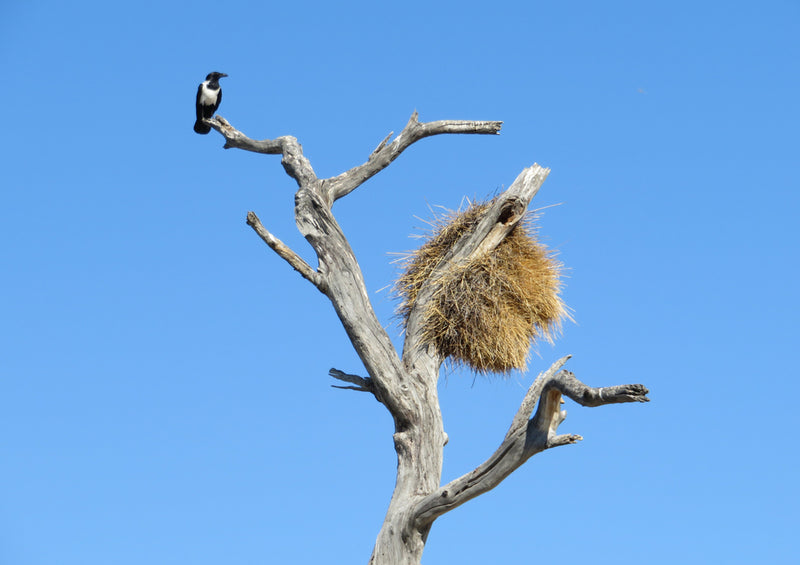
(485, 314)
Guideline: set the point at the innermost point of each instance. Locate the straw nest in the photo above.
(487, 313)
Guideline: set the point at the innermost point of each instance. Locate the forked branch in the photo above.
(407, 386)
(528, 435)
(359, 383)
(386, 152)
(294, 162)
(299, 168)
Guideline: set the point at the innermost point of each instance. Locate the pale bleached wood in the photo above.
(384, 154)
(407, 384)
(527, 436)
(360, 383)
(283, 250)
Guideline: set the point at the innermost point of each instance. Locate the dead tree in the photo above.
(406, 383)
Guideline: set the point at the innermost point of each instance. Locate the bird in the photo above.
(209, 95)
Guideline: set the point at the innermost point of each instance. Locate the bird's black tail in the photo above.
(200, 127)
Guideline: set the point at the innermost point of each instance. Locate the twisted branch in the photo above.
(527, 436)
(294, 162)
(299, 168)
(384, 154)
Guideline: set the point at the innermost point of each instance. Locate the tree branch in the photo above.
(285, 252)
(299, 167)
(526, 437)
(384, 154)
(234, 139)
(294, 162)
(361, 384)
(532, 396)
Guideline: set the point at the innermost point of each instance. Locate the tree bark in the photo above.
(407, 384)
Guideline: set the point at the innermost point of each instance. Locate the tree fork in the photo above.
(407, 384)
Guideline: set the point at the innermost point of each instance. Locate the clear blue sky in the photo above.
(164, 396)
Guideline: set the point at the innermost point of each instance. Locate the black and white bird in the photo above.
(209, 95)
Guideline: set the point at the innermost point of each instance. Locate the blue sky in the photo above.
(163, 375)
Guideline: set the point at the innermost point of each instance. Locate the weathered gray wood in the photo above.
(407, 384)
(384, 154)
(283, 250)
(527, 436)
(360, 383)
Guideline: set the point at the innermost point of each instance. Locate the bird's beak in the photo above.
(222, 75)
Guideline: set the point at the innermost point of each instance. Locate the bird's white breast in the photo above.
(208, 97)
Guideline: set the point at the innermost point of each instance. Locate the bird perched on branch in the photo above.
(209, 95)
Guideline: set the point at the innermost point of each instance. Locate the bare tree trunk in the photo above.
(407, 384)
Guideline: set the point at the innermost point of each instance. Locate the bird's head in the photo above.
(215, 76)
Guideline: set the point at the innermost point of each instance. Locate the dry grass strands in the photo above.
(485, 314)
